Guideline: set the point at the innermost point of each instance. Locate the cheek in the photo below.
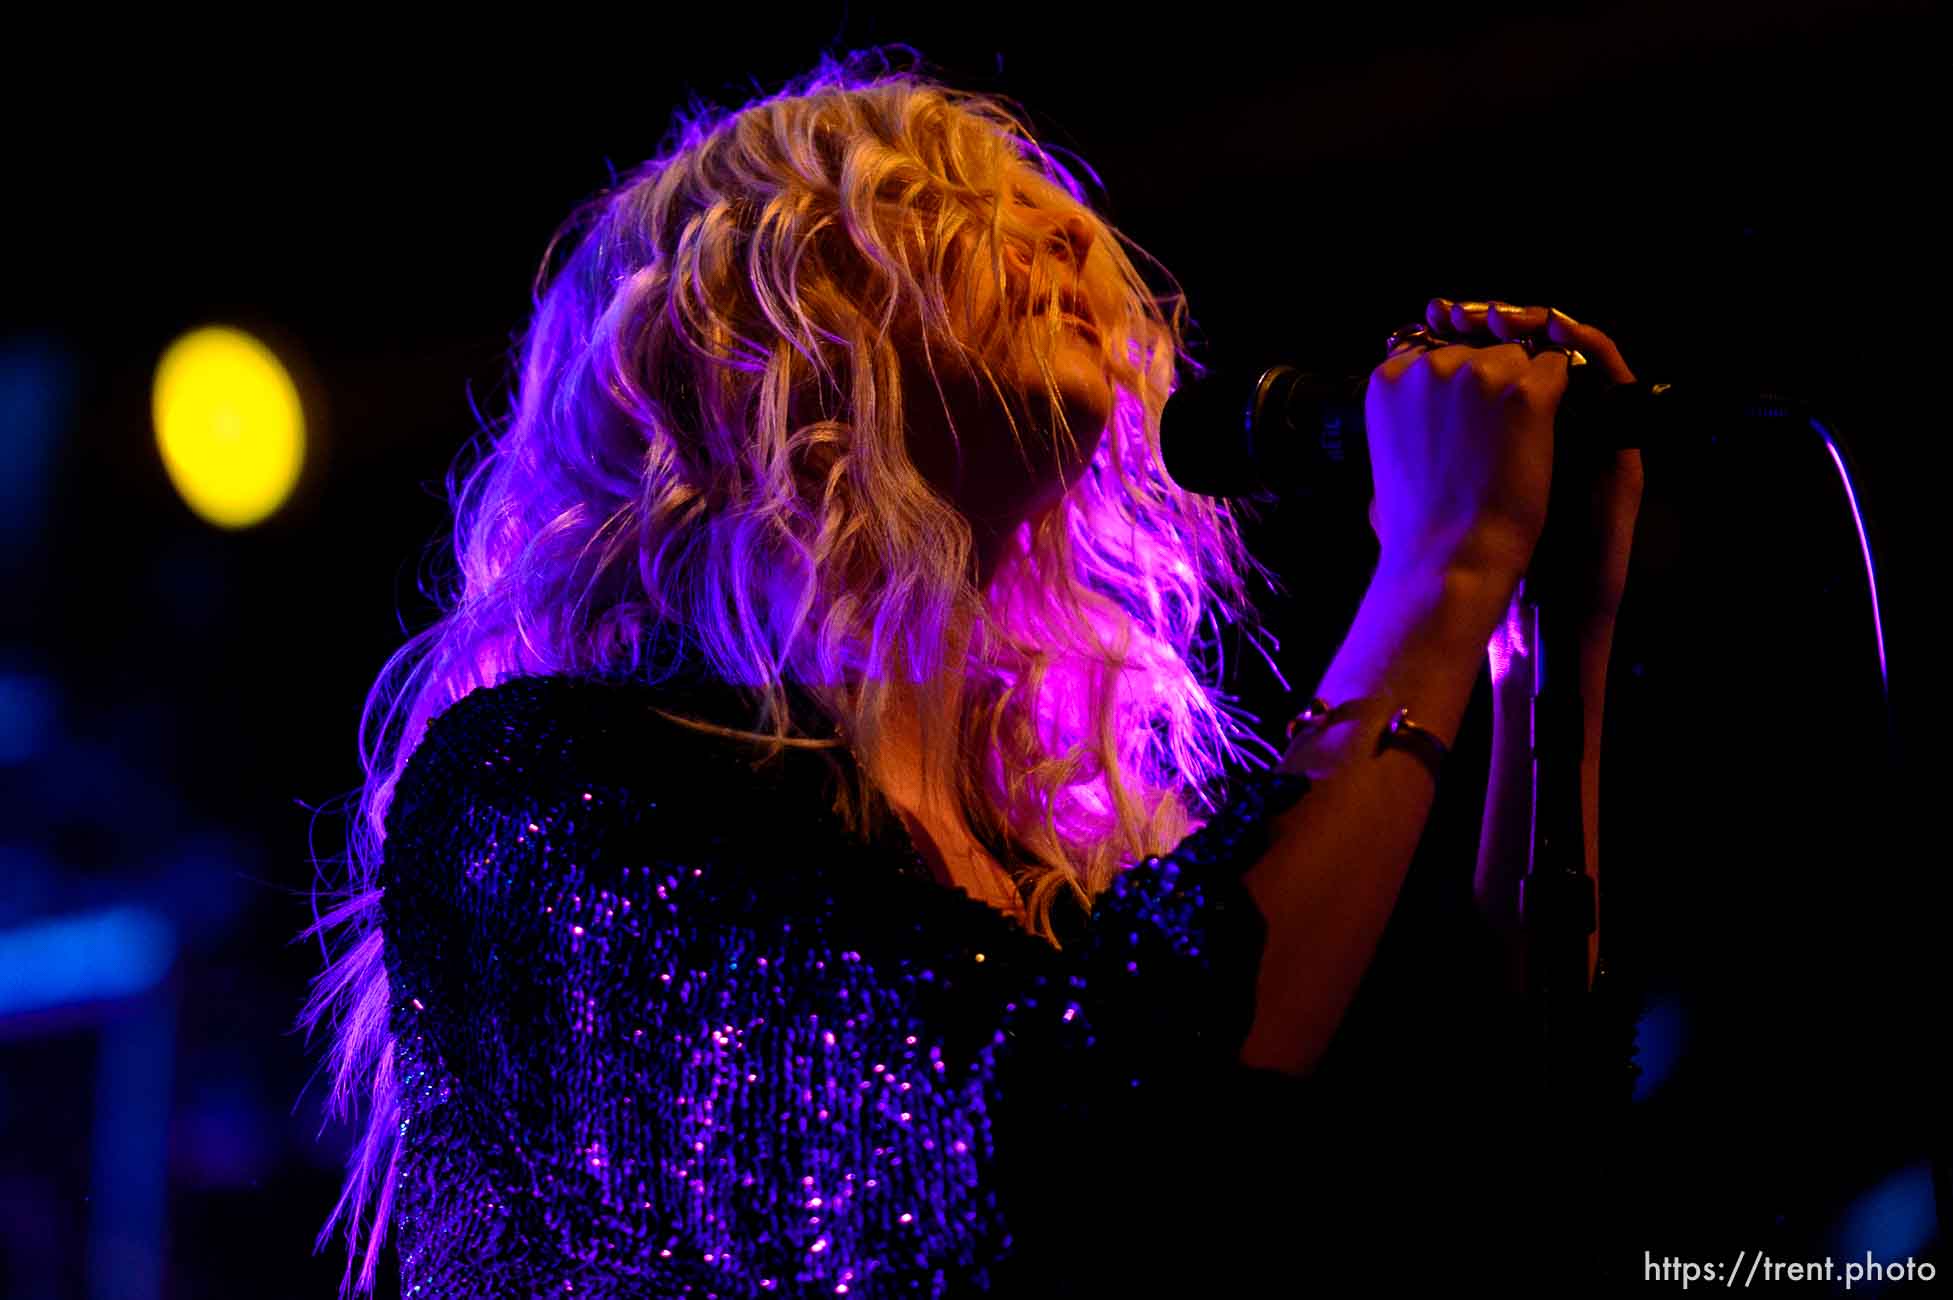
(971, 292)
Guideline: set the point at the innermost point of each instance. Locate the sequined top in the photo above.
(663, 1028)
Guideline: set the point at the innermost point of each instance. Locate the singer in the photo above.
(811, 854)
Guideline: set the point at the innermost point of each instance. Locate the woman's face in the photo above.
(1046, 307)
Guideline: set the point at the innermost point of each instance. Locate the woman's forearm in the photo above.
(1336, 860)
(1596, 648)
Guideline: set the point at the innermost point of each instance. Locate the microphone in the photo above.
(1282, 431)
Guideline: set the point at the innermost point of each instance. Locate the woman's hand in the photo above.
(1608, 495)
(1461, 453)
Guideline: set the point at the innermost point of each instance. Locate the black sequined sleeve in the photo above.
(1173, 949)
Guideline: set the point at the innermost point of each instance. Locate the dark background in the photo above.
(1737, 192)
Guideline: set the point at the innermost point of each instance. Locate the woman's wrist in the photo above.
(1491, 559)
(1416, 643)
(1455, 602)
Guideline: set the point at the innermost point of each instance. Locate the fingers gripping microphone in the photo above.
(1286, 432)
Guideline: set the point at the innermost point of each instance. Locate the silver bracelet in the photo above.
(1399, 733)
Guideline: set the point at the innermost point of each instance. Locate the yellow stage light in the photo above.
(229, 425)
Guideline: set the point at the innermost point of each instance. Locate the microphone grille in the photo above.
(1207, 433)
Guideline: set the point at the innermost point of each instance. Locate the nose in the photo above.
(1077, 234)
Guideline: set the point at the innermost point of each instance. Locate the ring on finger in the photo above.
(1416, 334)
(1535, 346)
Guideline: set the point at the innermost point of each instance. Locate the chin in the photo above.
(1085, 391)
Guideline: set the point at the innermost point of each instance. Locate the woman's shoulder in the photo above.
(531, 736)
(573, 714)
(598, 773)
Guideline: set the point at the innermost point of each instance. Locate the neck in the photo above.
(932, 817)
